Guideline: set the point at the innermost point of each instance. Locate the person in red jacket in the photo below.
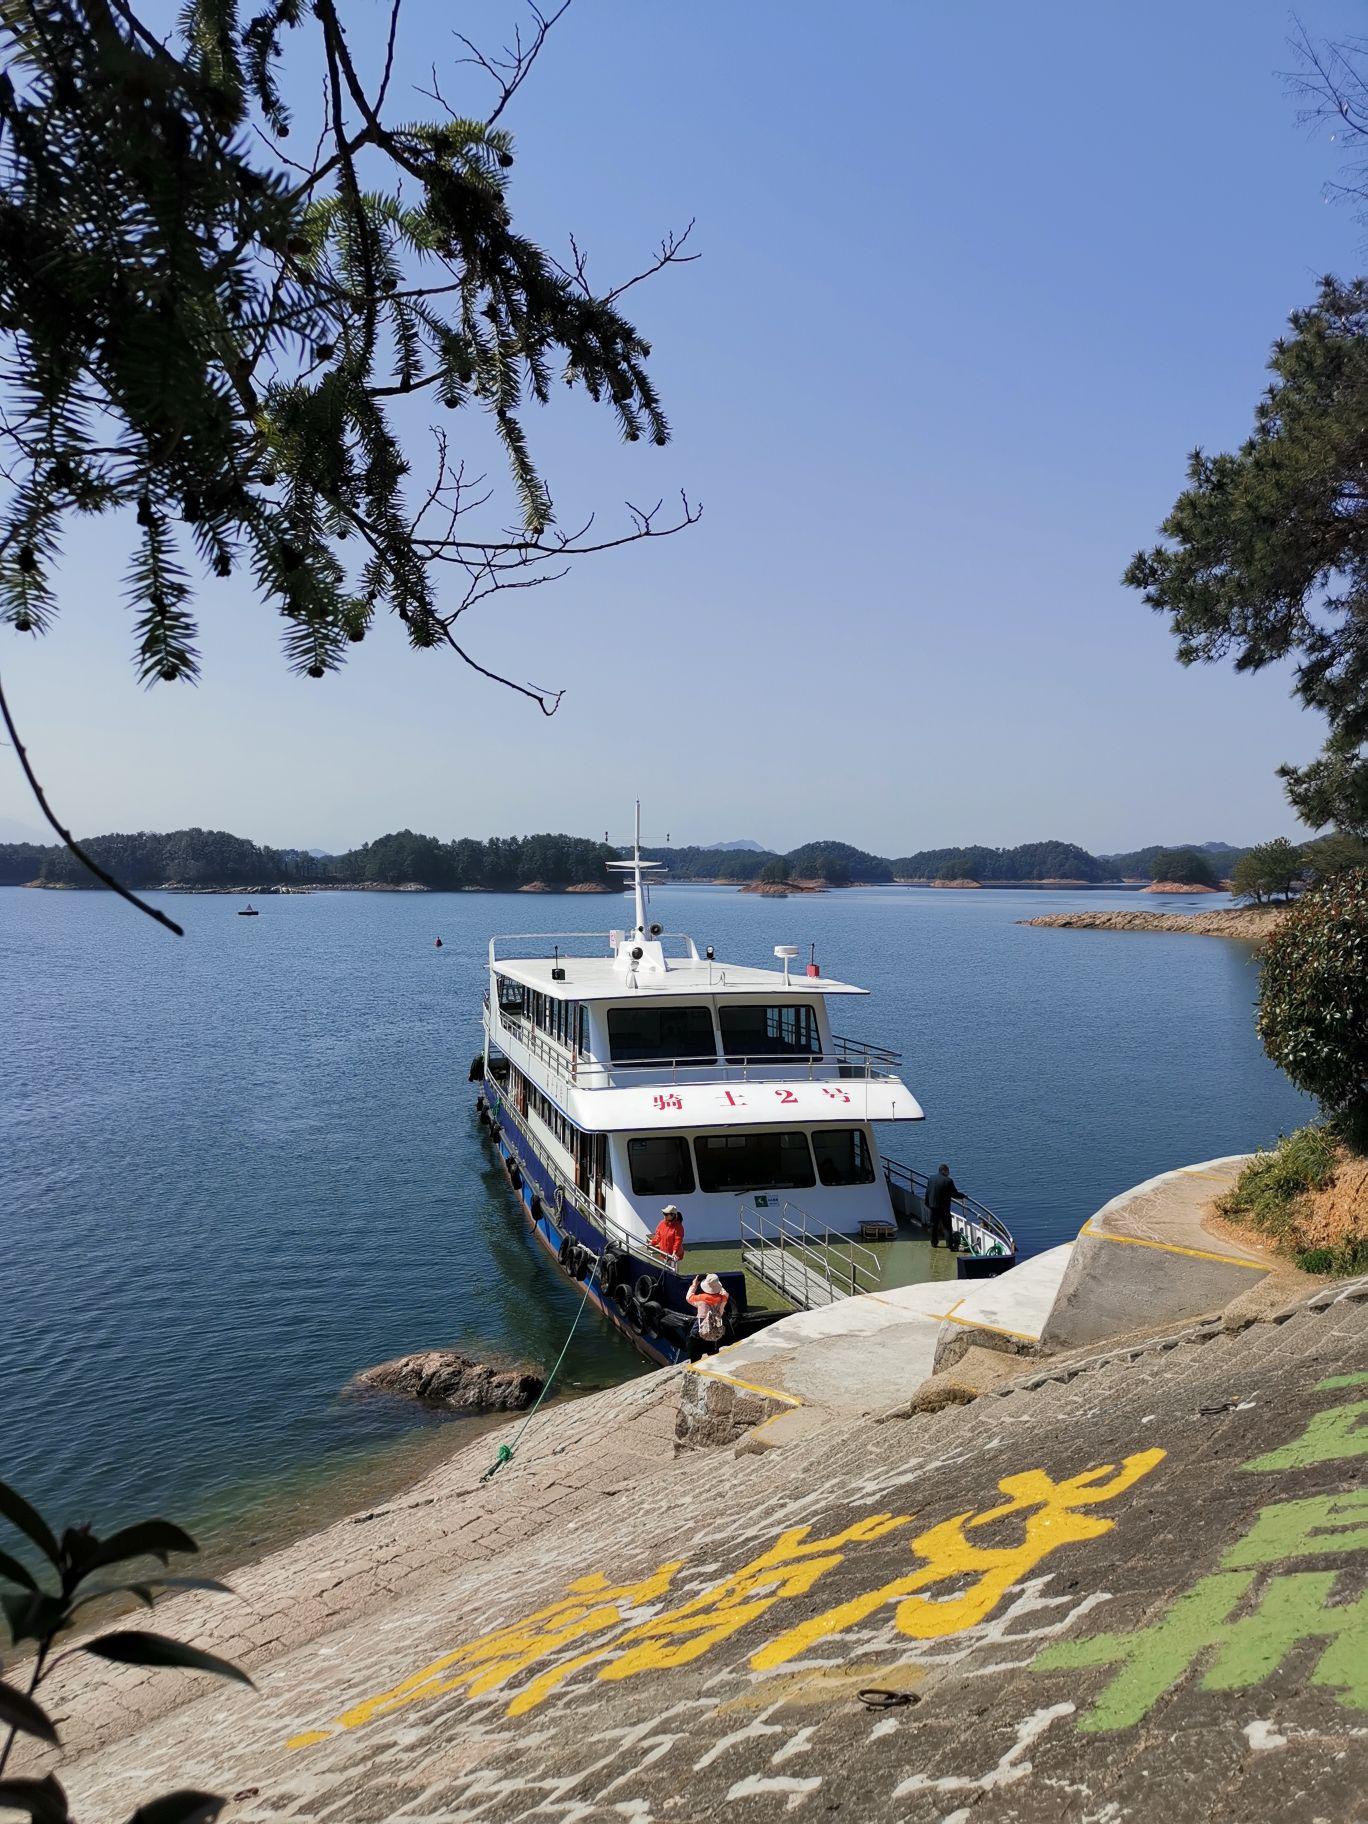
(669, 1234)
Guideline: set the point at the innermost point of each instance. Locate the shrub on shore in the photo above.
(1286, 1197)
(1313, 999)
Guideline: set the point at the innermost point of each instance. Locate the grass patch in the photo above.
(1278, 1196)
(1271, 1187)
(1346, 1260)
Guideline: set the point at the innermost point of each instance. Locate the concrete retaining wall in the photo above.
(1145, 1259)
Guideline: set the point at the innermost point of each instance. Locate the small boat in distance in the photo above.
(614, 1083)
(248, 912)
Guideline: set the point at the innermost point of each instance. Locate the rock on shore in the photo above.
(1253, 923)
(444, 1377)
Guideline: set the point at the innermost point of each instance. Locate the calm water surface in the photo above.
(237, 1167)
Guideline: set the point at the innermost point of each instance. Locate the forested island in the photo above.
(209, 860)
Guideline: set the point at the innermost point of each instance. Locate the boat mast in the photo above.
(641, 894)
(641, 952)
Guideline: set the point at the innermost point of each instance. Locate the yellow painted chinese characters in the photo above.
(1054, 1517)
(1039, 1516)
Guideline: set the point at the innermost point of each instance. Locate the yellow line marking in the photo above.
(773, 1393)
(1168, 1247)
(973, 1323)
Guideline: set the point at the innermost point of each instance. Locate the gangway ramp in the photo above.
(805, 1263)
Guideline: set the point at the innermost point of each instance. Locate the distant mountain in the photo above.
(730, 848)
(1136, 863)
(11, 830)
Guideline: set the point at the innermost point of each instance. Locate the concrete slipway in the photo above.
(1109, 1583)
(1146, 1258)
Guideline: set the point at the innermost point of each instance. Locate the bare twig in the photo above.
(68, 840)
(511, 69)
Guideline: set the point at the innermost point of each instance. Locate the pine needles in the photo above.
(209, 343)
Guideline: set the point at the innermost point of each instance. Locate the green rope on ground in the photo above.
(506, 1450)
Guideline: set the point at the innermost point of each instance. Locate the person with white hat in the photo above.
(709, 1299)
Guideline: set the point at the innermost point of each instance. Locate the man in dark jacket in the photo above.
(939, 1191)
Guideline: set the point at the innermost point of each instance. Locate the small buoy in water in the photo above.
(438, 944)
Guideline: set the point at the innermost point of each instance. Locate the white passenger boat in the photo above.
(617, 1079)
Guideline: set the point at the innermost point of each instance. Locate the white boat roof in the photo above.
(688, 1107)
(589, 978)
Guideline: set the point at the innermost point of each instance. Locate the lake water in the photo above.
(237, 1167)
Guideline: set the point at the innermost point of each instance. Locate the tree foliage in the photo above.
(213, 858)
(1028, 861)
(49, 1591)
(1184, 867)
(1270, 870)
(1331, 855)
(692, 863)
(1313, 995)
(503, 862)
(211, 342)
(1132, 862)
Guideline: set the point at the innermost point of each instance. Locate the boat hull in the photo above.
(555, 1222)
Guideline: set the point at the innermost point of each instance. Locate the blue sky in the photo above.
(975, 278)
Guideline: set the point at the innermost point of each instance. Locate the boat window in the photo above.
(753, 1162)
(551, 1117)
(660, 1166)
(770, 1032)
(843, 1156)
(643, 1035)
(511, 995)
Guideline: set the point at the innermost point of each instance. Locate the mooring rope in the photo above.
(506, 1450)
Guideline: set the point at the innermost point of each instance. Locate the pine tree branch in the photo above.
(68, 840)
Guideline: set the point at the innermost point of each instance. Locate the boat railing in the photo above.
(580, 1072)
(801, 1258)
(864, 1056)
(982, 1231)
(611, 1231)
(546, 941)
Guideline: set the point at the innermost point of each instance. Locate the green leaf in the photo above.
(136, 1647)
(148, 1539)
(29, 1521)
(33, 1616)
(16, 1572)
(20, 1712)
(187, 1807)
(43, 1800)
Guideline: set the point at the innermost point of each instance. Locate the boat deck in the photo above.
(906, 1260)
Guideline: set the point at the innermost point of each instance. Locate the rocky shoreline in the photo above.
(1255, 924)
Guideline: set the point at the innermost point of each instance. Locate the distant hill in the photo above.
(1139, 863)
(214, 858)
(1028, 861)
